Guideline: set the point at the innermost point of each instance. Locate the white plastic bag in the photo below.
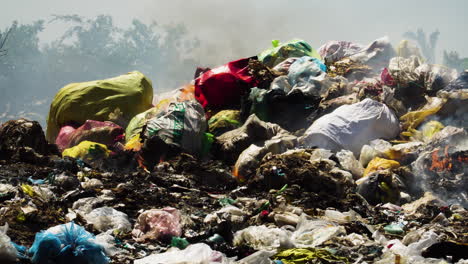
(7, 250)
(199, 253)
(107, 218)
(312, 233)
(261, 237)
(350, 163)
(352, 126)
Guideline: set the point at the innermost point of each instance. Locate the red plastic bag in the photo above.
(224, 86)
(386, 78)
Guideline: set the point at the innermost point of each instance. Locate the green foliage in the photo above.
(89, 49)
(452, 59)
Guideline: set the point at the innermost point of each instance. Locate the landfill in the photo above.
(343, 153)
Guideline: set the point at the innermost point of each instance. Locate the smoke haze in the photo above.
(230, 29)
(227, 30)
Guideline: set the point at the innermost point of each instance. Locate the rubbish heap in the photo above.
(349, 153)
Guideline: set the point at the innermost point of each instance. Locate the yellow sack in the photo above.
(380, 164)
(131, 94)
(87, 150)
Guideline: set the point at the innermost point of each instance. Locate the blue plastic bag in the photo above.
(73, 244)
(305, 66)
(307, 75)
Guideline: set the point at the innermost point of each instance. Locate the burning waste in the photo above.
(346, 154)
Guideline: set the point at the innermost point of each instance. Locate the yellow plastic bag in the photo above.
(131, 94)
(134, 144)
(429, 129)
(380, 164)
(411, 120)
(425, 132)
(308, 255)
(87, 150)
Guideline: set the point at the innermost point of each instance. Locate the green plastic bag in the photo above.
(130, 94)
(280, 52)
(224, 121)
(136, 124)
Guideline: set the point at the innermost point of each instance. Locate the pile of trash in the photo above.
(349, 153)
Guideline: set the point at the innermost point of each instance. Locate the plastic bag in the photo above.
(380, 164)
(426, 131)
(350, 163)
(456, 89)
(157, 224)
(333, 51)
(413, 119)
(306, 75)
(106, 133)
(376, 55)
(229, 213)
(7, 249)
(280, 52)
(161, 102)
(410, 253)
(313, 233)
(107, 218)
(199, 253)
(135, 126)
(223, 87)
(352, 126)
(250, 158)
(308, 255)
(406, 49)
(182, 94)
(232, 143)
(380, 187)
(183, 125)
(131, 93)
(67, 244)
(375, 148)
(402, 152)
(284, 66)
(261, 237)
(224, 121)
(435, 77)
(259, 257)
(402, 70)
(87, 150)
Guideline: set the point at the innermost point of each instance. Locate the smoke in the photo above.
(442, 167)
(224, 30)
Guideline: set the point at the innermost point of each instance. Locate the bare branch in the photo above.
(3, 40)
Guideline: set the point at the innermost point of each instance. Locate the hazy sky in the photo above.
(230, 29)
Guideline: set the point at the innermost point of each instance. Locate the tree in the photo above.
(3, 39)
(90, 49)
(452, 59)
(427, 46)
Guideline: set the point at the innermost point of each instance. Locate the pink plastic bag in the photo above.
(156, 224)
(106, 133)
